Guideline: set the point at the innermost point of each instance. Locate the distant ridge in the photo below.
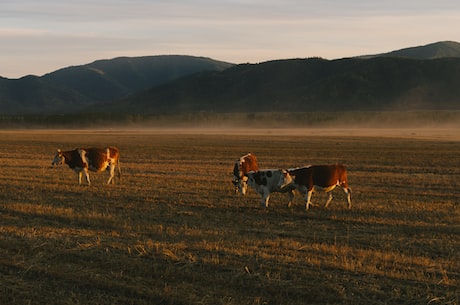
(423, 78)
(308, 85)
(435, 50)
(111, 79)
(73, 89)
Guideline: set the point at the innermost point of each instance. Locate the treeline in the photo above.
(304, 85)
(236, 120)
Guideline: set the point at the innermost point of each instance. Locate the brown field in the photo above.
(174, 232)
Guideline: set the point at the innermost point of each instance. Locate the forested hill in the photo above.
(435, 50)
(106, 80)
(380, 83)
(73, 89)
(418, 78)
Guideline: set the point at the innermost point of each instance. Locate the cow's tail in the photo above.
(350, 198)
(119, 169)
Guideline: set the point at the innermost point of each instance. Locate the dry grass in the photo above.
(173, 231)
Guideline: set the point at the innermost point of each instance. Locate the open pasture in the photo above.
(174, 232)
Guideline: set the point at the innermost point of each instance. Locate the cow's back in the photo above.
(320, 175)
(325, 175)
(249, 164)
(268, 179)
(114, 153)
(74, 159)
(342, 175)
(96, 156)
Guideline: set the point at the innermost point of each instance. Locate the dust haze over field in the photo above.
(333, 123)
(430, 133)
(440, 133)
(172, 231)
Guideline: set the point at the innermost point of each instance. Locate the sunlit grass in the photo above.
(173, 231)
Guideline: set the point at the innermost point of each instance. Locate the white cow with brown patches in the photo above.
(82, 160)
(266, 181)
(244, 165)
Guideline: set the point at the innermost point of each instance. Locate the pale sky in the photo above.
(41, 36)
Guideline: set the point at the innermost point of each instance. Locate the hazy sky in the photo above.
(37, 37)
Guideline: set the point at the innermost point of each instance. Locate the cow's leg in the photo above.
(79, 177)
(87, 176)
(291, 197)
(244, 187)
(265, 199)
(112, 173)
(308, 199)
(329, 199)
(348, 192)
(119, 170)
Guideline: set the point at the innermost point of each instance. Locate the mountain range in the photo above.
(74, 89)
(416, 78)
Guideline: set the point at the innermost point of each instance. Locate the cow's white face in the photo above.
(241, 185)
(58, 158)
(285, 179)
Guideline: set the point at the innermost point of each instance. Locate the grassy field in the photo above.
(174, 232)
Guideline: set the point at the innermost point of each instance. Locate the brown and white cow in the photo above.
(317, 178)
(266, 182)
(82, 160)
(244, 165)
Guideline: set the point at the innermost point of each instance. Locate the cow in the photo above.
(82, 160)
(244, 165)
(317, 178)
(266, 182)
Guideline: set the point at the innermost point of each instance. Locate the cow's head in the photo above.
(241, 184)
(239, 179)
(58, 158)
(285, 179)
